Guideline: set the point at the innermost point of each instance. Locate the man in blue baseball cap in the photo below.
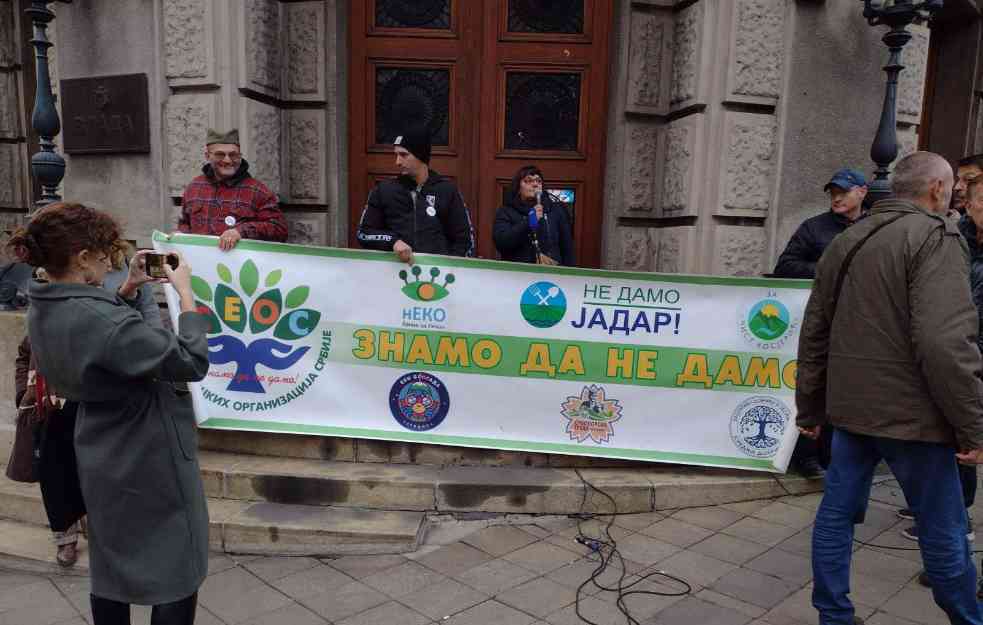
(847, 189)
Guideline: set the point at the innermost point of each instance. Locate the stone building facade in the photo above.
(724, 117)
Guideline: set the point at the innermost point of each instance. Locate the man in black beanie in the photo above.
(419, 211)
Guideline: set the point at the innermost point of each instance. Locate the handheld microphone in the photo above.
(539, 200)
(533, 227)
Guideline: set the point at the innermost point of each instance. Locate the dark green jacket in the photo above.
(135, 441)
(899, 358)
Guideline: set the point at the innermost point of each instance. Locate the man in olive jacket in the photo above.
(892, 364)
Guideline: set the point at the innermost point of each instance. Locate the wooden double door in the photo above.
(499, 84)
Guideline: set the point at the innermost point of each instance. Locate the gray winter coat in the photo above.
(144, 302)
(135, 441)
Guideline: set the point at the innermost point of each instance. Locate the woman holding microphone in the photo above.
(533, 226)
(135, 440)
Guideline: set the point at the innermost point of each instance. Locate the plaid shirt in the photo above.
(207, 202)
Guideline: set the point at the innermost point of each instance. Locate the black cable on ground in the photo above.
(606, 548)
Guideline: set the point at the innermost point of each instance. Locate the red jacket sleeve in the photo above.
(269, 223)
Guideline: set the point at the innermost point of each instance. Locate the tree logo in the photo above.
(260, 314)
(591, 415)
(424, 290)
(758, 424)
(543, 305)
(768, 320)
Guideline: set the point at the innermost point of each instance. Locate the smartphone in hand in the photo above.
(155, 264)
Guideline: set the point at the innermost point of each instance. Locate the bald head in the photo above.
(924, 178)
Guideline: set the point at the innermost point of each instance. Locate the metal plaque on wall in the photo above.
(106, 114)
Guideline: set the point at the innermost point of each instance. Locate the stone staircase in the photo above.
(308, 495)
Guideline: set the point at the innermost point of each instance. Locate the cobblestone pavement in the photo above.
(746, 562)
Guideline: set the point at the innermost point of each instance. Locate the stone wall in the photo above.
(831, 128)
(725, 127)
(267, 67)
(722, 123)
(261, 66)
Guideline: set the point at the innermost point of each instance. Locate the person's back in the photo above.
(887, 355)
(79, 320)
(135, 442)
(904, 304)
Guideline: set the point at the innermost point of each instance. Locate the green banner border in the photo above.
(476, 263)
(281, 427)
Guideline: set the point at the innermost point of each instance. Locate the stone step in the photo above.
(286, 529)
(311, 447)
(21, 502)
(6, 440)
(257, 527)
(28, 548)
(483, 489)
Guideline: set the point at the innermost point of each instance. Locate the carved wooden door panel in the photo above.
(500, 83)
(413, 62)
(544, 70)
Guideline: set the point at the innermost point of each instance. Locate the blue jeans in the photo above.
(929, 477)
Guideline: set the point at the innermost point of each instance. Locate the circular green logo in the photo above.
(543, 305)
(768, 319)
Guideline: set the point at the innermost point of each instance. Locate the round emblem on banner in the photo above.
(431, 211)
(769, 323)
(543, 304)
(758, 424)
(768, 320)
(419, 401)
(230, 221)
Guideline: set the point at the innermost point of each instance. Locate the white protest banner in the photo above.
(478, 353)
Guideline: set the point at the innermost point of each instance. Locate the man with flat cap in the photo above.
(419, 211)
(226, 201)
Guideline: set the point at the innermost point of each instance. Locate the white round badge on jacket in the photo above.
(230, 221)
(431, 211)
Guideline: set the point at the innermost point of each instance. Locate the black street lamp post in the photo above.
(898, 14)
(47, 165)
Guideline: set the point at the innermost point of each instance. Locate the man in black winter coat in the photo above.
(419, 211)
(514, 235)
(847, 190)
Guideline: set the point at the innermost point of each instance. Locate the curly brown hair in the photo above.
(59, 231)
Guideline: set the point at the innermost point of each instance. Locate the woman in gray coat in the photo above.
(135, 441)
(56, 469)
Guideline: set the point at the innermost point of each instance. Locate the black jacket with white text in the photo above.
(432, 219)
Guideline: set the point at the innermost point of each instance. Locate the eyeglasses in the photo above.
(532, 180)
(221, 156)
